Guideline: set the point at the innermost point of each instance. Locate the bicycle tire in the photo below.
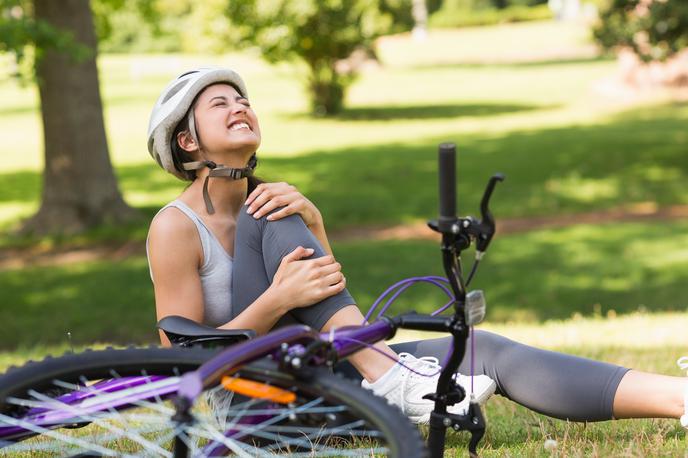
(344, 413)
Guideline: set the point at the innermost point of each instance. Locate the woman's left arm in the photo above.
(269, 196)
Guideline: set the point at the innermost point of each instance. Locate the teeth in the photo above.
(239, 125)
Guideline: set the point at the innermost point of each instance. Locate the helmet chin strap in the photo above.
(216, 170)
(219, 170)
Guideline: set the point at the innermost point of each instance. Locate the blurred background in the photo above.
(582, 104)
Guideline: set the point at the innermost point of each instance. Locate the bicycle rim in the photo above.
(89, 405)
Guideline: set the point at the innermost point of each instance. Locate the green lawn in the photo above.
(521, 99)
(531, 277)
(503, 94)
(650, 342)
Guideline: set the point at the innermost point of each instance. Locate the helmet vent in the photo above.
(178, 87)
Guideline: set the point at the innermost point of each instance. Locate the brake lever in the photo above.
(487, 222)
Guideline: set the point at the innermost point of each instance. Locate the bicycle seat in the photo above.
(184, 332)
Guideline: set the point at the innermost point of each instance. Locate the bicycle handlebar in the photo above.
(447, 180)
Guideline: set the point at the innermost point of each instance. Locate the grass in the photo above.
(466, 17)
(521, 99)
(506, 108)
(536, 117)
(632, 157)
(531, 277)
(649, 342)
(631, 340)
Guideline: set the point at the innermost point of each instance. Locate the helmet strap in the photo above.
(219, 170)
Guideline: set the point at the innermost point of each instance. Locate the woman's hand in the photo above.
(302, 282)
(268, 196)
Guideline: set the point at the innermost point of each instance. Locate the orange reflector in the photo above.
(257, 390)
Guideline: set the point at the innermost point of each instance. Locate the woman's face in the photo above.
(225, 123)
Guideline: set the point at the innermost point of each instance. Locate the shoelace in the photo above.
(413, 365)
(683, 364)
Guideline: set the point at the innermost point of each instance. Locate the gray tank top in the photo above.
(215, 273)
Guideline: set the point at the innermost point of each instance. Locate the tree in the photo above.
(79, 186)
(650, 38)
(321, 33)
(654, 30)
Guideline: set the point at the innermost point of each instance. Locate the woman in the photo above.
(232, 252)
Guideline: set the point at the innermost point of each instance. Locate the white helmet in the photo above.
(174, 103)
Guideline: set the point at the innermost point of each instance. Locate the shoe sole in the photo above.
(482, 396)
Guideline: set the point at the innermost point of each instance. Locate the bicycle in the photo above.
(259, 396)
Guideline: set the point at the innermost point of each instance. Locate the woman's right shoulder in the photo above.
(171, 225)
(173, 247)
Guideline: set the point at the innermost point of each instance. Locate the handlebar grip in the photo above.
(447, 176)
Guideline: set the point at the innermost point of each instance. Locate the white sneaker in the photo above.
(405, 388)
(683, 364)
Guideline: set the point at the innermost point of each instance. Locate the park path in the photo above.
(420, 231)
(17, 258)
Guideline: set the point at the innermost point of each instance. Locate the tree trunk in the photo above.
(419, 10)
(327, 88)
(79, 185)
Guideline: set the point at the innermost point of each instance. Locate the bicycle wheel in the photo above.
(118, 403)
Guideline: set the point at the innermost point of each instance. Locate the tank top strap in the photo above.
(203, 232)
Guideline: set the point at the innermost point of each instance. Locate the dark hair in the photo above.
(179, 155)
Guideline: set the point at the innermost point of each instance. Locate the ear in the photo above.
(187, 142)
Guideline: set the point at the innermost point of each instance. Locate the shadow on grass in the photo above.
(95, 302)
(391, 113)
(551, 274)
(506, 64)
(636, 157)
(541, 275)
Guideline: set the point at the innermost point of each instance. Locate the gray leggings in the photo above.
(555, 384)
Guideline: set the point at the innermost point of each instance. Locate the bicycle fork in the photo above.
(448, 391)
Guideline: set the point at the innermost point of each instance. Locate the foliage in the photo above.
(139, 25)
(127, 26)
(375, 165)
(320, 33)
(21, 34)
(459, 17)
(478, 5)
(402, 12)
(653, 29)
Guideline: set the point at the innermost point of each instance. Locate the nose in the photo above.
(238, 108)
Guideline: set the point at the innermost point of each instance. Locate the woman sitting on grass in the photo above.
(234, 253)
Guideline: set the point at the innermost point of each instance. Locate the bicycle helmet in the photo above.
(171, 107)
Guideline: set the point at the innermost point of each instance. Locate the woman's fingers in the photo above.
(333, 278)
(255, 193)
(284, 212)
(268, 201)
(298, 253)
(266, 191)
(269, 196)
(330, 268)
(260, 200)
(268, 207)
(336, 288)
(324, 260)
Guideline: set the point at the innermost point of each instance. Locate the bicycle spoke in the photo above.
(81, 413)
(85, 446)
(74, 410)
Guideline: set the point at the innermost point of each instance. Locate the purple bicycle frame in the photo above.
(102, 396)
